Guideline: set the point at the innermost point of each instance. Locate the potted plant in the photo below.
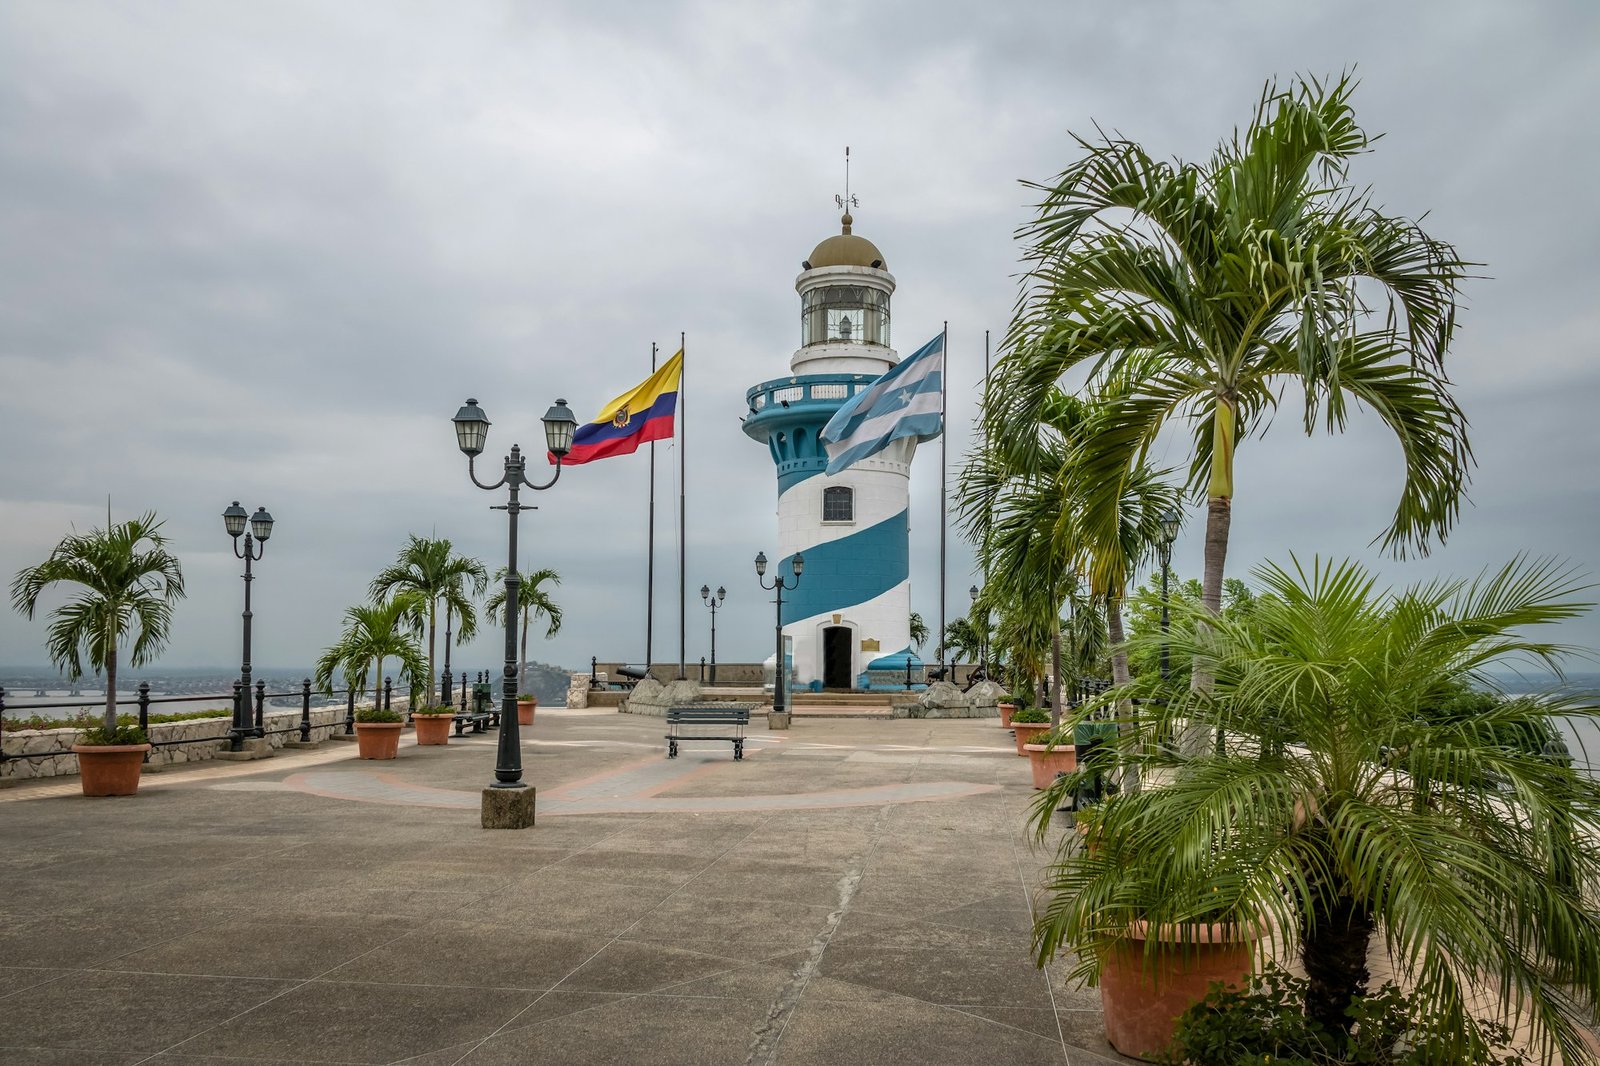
(433, 726)
(1050, 753)
(131, 583)
(1323, 812)
(526, 704)
(372, 634)
(378, 732)
(1027, 723)
(430, 568)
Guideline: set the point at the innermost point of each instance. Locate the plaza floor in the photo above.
(852, 892)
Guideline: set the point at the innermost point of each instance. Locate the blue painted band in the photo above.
(842, 573)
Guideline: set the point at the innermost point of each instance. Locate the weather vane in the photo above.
(846, 202)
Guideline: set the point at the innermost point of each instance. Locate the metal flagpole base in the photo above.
(508, 808)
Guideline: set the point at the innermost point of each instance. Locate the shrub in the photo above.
(378, 714)
(97, 736)
(1027, 715)
(85, 719)
(1266, 1023)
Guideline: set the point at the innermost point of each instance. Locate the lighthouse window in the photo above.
(838, 504)
(838, 314)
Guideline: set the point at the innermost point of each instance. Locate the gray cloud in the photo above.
(263, 252)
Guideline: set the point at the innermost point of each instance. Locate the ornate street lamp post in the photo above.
(255, 545)
(713, 602)
(1169, 533)
(983, 635)
(779, 667)
(504, 805)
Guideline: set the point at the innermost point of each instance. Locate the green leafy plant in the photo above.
(527, 696)
(1203, 295)
(1061, 736)
(1030, 716)
(97, 735)
(1463, 861)
(532, 602)
(378, 714)
(434, 710)
(373, 633)
(82, 721)
(130, 585)
(430, 569)
(1266, 1023)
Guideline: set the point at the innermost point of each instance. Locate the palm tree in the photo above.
(918, 630)
(430, 567)
(1027, 504)
(375, 632)
(1205, 289)
(532, 601)
(1347, 805)
(131, 583)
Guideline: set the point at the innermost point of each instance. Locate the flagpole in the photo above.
(683, 510)
(650, 565)
(944, 465)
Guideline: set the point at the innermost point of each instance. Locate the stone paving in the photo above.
(852, 892)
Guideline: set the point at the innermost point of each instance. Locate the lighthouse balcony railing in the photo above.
(813, 388)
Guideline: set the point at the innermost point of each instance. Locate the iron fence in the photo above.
(143, 701)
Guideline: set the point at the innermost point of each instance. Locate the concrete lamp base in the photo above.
(250, 750)
(778, 719)
(508, 808)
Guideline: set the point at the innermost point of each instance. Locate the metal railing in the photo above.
(143, 700)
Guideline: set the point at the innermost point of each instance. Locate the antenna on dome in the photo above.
(846, 202)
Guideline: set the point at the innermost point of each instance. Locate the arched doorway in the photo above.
(836, 663)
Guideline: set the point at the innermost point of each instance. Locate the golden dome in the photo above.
(845, 249)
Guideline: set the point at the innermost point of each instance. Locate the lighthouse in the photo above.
(849, 618)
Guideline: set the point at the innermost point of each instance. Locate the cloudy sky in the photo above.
(263, 251)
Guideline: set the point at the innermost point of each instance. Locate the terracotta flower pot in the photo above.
(432, 729)
(1142, 996)
(378, 740)
(525, 709)
(1025, 732)
(110, 769)
(1006, 711)
(1046, 762)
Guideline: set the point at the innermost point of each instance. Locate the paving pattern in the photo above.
(852, 892)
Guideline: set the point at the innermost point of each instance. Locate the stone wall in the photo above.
(60, 761)
(577, 690)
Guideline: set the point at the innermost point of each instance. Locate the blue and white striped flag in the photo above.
(905, 402)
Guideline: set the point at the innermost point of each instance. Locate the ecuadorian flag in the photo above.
(643, 413)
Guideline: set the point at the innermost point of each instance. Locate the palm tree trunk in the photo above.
(1334, 953)
(1219, 516)
(522, 665)
(1055, 679)
(111, 690)
(1126, 726)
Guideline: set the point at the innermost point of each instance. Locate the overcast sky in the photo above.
(264, 251)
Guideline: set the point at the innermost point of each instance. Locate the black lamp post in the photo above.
(779, 668)
(255, 545)
(983, 635)
(1169, 533)
(713, 602)
(472, 429)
